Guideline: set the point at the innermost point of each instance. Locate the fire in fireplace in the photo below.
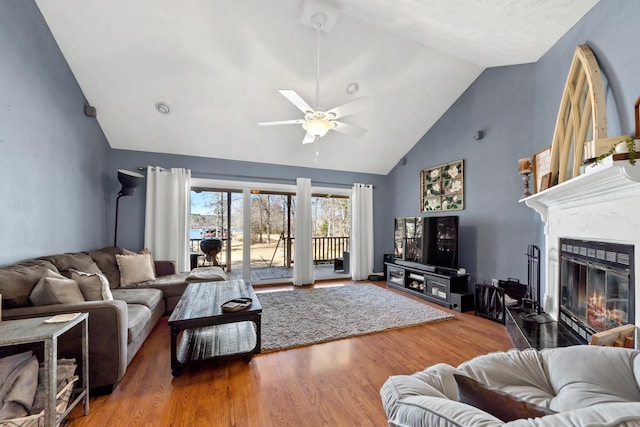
(596, 285)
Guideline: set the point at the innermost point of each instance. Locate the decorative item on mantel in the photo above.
(541, 169)
(525, 170)
(623, 147)
(581, 116)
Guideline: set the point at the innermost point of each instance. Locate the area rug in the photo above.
(310, 316)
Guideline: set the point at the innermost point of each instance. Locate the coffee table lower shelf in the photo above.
(237, 339)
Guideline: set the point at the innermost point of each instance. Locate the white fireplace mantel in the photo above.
(607, 181)
(602, 204)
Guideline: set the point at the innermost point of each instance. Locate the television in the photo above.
(430, 241)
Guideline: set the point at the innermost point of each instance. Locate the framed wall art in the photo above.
(442, 187)
(541, 167)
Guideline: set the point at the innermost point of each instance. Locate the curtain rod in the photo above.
(261, 178)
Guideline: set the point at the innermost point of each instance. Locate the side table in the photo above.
(35, 330)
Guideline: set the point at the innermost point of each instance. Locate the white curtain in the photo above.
(361, 254)
(303, 253)
(166, 231)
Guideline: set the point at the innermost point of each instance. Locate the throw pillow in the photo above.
(143, 251)
(54, 288)
(134, 268)
(94, 286)
(504, 406)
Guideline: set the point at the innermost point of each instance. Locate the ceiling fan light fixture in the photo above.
(318, 127)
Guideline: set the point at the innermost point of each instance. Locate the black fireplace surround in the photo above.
(596, 286)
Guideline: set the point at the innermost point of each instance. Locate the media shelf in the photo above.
(431, 283)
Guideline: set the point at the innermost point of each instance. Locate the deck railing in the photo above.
(325, 249)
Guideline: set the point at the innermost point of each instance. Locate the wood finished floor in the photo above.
(329, 384)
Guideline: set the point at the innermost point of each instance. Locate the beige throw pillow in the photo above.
(134, 268)
(143, 251)
(54, 288)
(94, 286)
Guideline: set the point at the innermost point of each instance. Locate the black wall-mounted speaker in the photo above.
(90, 111)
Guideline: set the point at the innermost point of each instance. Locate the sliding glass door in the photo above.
(254, 225)
(216, 228)
(330, 218)
(271, 235)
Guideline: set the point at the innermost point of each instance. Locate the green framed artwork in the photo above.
(442, 187)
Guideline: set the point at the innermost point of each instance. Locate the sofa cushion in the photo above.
(138, 317)
(520, 373)
(135, 268)
(17, 281)
(431, 411)
(94, 286)
(171, 286)
(147, 297)
(497, 403)
(164, 267)
(105, 258)
(79, 261)
(604, 375)
(54, 288)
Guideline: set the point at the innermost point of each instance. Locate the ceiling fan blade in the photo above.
(296, 100)
(348, 129)
(282, 122)
(351, 107)
(308, 138)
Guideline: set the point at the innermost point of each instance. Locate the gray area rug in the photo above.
(310, 316)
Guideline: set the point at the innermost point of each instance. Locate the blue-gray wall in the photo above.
(52, 157)
(494, 228)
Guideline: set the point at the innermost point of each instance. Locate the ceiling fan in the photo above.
(317, 122)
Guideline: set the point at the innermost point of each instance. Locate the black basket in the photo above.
(514, 288)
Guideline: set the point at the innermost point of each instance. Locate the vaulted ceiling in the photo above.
(218, 66)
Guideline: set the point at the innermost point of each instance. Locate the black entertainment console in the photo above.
(440, 285)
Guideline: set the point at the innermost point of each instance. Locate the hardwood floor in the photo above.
(329, 384)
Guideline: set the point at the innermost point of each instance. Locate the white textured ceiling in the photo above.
(219, 64)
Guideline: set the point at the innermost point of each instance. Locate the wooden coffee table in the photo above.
(208, 332)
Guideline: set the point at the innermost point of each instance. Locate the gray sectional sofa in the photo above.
(118, 327)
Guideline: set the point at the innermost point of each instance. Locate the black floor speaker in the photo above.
(462, 302)
(387, 258)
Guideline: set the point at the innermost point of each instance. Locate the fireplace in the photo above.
(596, 291)
(601, 205)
